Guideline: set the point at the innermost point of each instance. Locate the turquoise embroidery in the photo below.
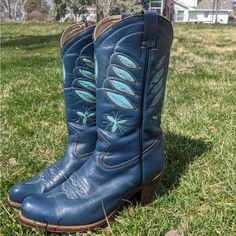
(158, 81)
(157, 98)
(122, 87)
(157, 87)
(123, 74)
(96, 68)
(63, 72)
(87, 73)
(115, 123)
(85, 116)
(126, 61)
(159, 75)
(120, 100)
(162, 62)
(87, 85)
(86, 96)
(88, 61)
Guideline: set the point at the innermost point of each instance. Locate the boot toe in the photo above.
(18, 193)
(37, 209)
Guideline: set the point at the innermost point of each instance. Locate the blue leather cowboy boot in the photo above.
(77, 52)
(132, 56)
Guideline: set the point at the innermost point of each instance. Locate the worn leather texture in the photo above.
(131, 69)
(79, 93)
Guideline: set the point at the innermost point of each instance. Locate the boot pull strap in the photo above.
(89, 23)
(150, 29)
(125, 14)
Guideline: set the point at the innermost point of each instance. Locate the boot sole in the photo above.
(13, 204)
(148, 191)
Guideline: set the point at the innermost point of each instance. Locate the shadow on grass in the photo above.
(30, 42)
(180, 152)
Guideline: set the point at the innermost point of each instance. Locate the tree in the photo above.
(132, 6)
(22, 4)
(75, 7)
(7, 8)
(79, 7)
(109, 7)
(59, 8)
(14, 8)
(36, 5)
(103, 8)
(30, 5)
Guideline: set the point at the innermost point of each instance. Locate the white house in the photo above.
(158, 5)
(206, 11)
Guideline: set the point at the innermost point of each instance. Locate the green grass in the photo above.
(198, 193)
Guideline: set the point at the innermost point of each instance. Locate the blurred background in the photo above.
(199, 11)
(197, 193)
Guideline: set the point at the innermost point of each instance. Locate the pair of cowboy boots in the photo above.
(114, 85)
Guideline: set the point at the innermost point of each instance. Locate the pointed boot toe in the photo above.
(132, 57)
(38, 210)
(19, 192)
(77, 50)
(16, 196)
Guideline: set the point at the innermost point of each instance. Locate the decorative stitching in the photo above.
(158, 97)
(86, 84)
(88, 61)
(115, 123)
(63, 72)
(86, 115)
(122, 73)
(71, 188)
(86, 96)
(86, 73)
(126, 60)
(119, 100)
(159, 75)
(77, 129)
(130, 161)
(96, 68)
(81, 40)
(46, 176)
(121, 86)
(157, 87)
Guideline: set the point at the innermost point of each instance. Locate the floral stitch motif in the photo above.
(85, 116)
(88, 61)
(46, 176)
(86, 96)
(119, 100)
(157, 87)
(121, 87)
(127, 61)
(123, 74)
(115, 123)
(71, 188)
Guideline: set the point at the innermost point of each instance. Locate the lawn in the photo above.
(197, 195)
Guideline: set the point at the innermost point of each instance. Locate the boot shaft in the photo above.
(132, 60)
(132, 56)
(77, 54)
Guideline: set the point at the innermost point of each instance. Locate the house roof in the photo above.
(182, 4)
(208, 5)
